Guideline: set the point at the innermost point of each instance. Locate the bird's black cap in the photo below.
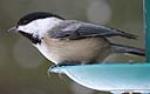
(34, 16)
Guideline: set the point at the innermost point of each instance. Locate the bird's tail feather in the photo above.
(118, 48)
(123, 34)
(128, 35)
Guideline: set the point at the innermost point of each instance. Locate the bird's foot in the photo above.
(62, 64)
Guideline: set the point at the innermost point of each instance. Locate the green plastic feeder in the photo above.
(116, 78)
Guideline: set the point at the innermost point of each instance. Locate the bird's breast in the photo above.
(73, 50)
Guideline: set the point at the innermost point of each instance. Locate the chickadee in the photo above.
(69, 41)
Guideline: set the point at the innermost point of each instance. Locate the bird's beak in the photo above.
(12, 29)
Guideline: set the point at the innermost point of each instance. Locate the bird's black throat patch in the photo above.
(34, 40)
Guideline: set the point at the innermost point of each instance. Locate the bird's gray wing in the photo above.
(77, 30)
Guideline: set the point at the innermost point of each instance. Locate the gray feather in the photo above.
(118, 48)
(75, 30)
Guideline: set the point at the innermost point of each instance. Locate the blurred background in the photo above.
(23, 69)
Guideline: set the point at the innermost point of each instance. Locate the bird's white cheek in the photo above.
(30, 28)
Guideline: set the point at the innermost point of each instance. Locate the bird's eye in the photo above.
(25, 21)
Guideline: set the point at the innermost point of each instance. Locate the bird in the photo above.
(68, 42)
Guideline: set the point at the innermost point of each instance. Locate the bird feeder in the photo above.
(116, 78)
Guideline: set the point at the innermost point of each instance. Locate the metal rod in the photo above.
(147, 28)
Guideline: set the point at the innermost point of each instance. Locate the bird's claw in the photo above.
(61, 65)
